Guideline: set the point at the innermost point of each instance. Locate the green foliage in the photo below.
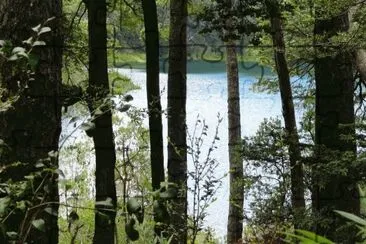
(203, 175)
(306, 237)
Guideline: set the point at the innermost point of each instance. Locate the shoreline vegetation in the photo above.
(196, 63)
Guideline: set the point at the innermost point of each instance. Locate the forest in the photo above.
(176, 121)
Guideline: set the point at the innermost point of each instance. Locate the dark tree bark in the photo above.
(177, 93)
(153, 96)
(236, 198)
(334, 119)
(288, 112)
(153, 92)
(105, 156)
(32, 126)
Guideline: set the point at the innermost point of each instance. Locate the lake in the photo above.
(206, 97)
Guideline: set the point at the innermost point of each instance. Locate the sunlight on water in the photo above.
(206, 96)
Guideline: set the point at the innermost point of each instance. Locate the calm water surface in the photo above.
(206, 97)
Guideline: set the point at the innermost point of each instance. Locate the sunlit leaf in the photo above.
(4, 204)
(314, 236)
(29, 41)
(18, 50)
(44, 30)
(133, 206)
(39, 43)
(351, 217)
(37, 28)
(51, 211)
(106, 203)
(39, 224)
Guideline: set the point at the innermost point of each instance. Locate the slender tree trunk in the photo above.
(334, 119)
(236, 198)
(153, 92)
(153, 96)
(103, 137)
(288, 112)
(31, 126)
(177, 94)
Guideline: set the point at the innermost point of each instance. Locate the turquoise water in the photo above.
(206, 97)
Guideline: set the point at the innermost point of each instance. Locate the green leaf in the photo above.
(170, 193)
(313, 236)
(351, 217)
(40, 165)
(44, 30)
(98, 112)
(106, 203)
(2, 43)
(51, 211)
(39, 224)
(53, 154)
(37, 28)
(133, 206)
(13, 57)
(12, 235)
(49, 19)
(89, 128)
(39, 43)
(21, 205)
(29, 41)
(18, 50)
(302, 239)
(22, 54)
(29, 177)
(4, 204)
(60, 173)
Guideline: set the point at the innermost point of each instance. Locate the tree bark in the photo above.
(288, 112)
(153, 92)
(236, 198)
(153, 96)
(32, 126)
(334, 119)
(105, 155)
(177, 93)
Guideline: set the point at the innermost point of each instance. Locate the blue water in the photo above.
(207, 96)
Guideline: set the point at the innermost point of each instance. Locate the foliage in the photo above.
(203, 175)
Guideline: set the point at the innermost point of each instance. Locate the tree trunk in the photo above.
(288, 112)
(177, 93)
(105, 156)
(153, 95)
(236, 198)
(153, 92)
(32, 126)
(334, 119)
